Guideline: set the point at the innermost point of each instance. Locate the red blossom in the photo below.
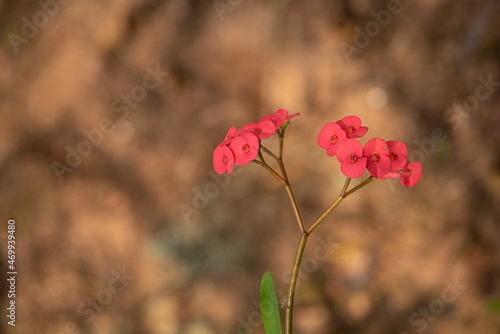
(289, 117)
(278, 118)
(330, 137)
(245, 148)
(352, 126)
(411, 174)
(223, 159)
(229, 136)
(397, 154)
(350, 156)
(377, 152)
(263, 129)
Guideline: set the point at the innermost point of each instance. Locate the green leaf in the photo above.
(269, 305)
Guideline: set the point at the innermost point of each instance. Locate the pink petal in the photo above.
(411, 174)
(220, 153)
(261, 130)
(289, 117)
(229, 136)
(399, 151)
(355, 121)
(399, 163)
(276, 121)
(281, 114)
(267, 128)
(354, 170)
(253, 141)
(347, 147)
(247, 128)
(375, 145)
(397, 147)
(379, 169)
(326, 132)
(360, 132)
(390, 176)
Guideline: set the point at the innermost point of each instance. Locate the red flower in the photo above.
(245, 148)
(262, 130)
(377, 152)
(223, 160)
(229, 137)
(330, 136)
(411, 174)
(350, 156)
(397, 154)
(289, 117)
(352, 126)
(279, 117)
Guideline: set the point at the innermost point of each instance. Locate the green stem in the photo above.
(294, 206)
(287, 185)
(270, 170)
(359, 186)
(293, 283)
(302, 244)
(269, 152)
(325, 214)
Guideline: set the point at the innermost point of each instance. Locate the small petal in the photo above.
(397, 153)
(375, 145)
(411, 174)
(282, 114)
(324, 136)
(261, 130)
(229, 136)
(390, 176)
(245, 148)
(289, 117)
(348, 147)
(380, 168)
(275, 120)
(377, 152)
(354, 170)
(352, 126)
(223, 160)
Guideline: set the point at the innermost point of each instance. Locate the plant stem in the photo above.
(270, 170)
(269, 152)
(287, 185)
(304, 233)
(294, 206)
(359, 186)
(293, 283)
(302, 244)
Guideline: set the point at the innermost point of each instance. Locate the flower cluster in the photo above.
(382, 159)
(242, 146)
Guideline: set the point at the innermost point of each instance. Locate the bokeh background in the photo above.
(135, 234)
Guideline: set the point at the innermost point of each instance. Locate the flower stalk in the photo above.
(382, 159)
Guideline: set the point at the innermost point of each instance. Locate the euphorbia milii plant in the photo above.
(382, 159)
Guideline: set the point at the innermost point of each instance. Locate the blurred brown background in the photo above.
(106, 164)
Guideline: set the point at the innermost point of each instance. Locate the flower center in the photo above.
(350, 129)
(393, 156)
(257, 131)
(375, 157)
(408, 172)
(224, 160)
(245, 148)
(333, 139)
(353, 158)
